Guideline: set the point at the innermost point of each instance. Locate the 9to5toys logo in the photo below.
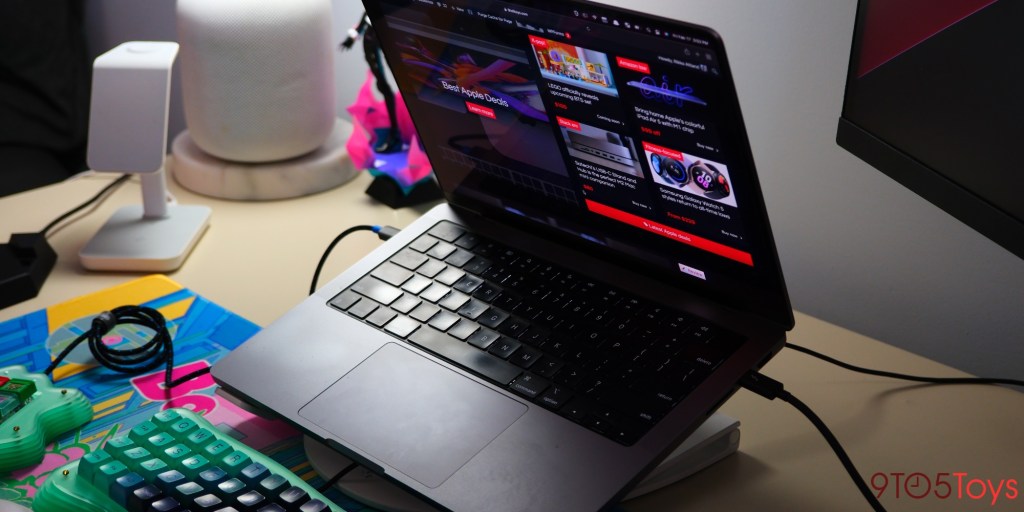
(958, 486)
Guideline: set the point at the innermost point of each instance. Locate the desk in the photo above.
(258, 258)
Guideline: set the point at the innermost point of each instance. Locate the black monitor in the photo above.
(935, 100)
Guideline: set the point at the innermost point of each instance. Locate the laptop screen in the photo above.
(616, 131)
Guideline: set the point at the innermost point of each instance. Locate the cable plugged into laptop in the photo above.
(772, 389)
(383, 232)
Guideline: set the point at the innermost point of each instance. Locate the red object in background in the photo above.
(895, 26)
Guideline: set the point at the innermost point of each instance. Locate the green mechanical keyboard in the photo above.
(177, 461)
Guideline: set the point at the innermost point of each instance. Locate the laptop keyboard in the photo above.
(594, 354)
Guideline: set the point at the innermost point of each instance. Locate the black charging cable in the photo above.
(159, 350)
(772, 389)
(105, 191)
(337, 477)
(901, 376)
(383, 232)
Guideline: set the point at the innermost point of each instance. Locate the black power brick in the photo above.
(25, 262)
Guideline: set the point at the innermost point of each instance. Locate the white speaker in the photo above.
(257, 82)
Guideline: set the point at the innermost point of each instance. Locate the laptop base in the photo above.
(716, 439)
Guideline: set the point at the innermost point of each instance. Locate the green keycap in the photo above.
(176, 453)
(107, 473)
(194, 465)
(152, 467)
(143, 431)
(166, 418)
(234, 462)
(218, 448)
(90, 463)
(198, 439)
(158, 442)
(132, 457)
(119, 444)
(182, 428)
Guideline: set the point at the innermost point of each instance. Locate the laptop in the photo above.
(546, 336)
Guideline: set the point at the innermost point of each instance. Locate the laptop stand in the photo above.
(716, 439)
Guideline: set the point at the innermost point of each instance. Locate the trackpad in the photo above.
(412, 414)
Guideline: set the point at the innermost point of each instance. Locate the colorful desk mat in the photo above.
(203, 332)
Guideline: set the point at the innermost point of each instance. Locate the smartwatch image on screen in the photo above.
(670, 169)
(709, 179)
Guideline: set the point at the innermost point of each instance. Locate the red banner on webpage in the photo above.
(633, 65)
(672, 233)
(538, 42)
(568, 123)
(481, 110)
(658, 150)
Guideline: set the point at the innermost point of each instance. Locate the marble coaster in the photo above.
(327, 167)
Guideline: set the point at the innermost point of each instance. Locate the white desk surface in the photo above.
(257, 259)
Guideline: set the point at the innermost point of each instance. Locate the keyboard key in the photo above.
(417, 284)
(464, 329)
(454, 350)
(449, 276)
(253, 473)
(402, 326)
(478, 265)
(313, 506)
(446, 231)
(525, 357)
(441, 250)
(504, 347)
(143, 497)
(377, 290)
(363, 308)
(554, 397)
(392, 274)
(529, 385)
(443, 320)
(406, 303)
(483, 338)
(123, 487)
(423, 243)
(492, 318)
(459, 258)
(468, 241)
(292, 497)
(409, 259)
(454, 301)
(431, 268)
(473, 309)
(252, 500)
(487, 292)
(468, 284)
(435, 292)
(424, 312)
(380, 317)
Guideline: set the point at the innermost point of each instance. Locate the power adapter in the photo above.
(25, 263)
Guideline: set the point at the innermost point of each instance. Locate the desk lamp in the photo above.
(128, 134)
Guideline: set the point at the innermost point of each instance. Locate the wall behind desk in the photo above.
(857, 249)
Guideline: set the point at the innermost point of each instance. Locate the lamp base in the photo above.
(132, 242)
(325, 168)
